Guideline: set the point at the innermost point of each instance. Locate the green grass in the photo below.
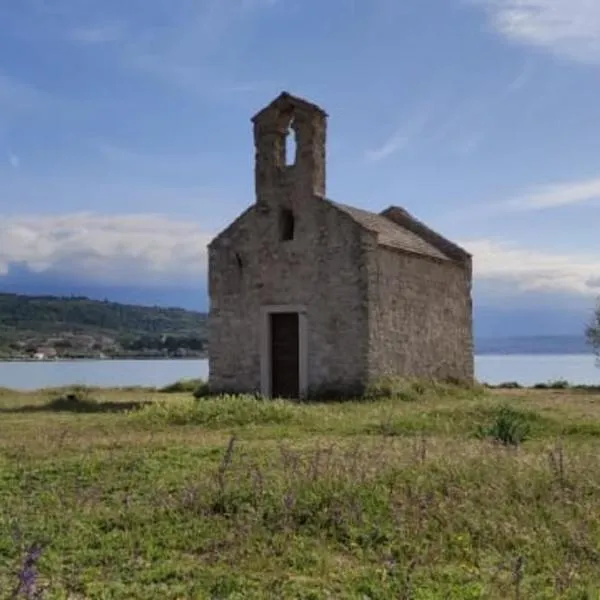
(421, 492)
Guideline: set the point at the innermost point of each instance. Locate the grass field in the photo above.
(436, 493)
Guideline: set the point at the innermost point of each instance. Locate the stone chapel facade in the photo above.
(309, 295)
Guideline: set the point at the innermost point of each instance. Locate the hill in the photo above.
(78, 327)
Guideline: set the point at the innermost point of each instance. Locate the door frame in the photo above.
(266, 363)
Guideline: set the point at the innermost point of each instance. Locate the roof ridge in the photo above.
(390, 233)
(401, 217)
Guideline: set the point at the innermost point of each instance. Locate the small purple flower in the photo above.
(28, 574)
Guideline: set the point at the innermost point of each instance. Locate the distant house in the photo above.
(45, 353)
(307, 294)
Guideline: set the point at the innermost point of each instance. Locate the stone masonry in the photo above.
(375, 295)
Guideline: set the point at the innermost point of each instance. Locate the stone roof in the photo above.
(394, 235)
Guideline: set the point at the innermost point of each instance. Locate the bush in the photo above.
(509, 385)
(182, 386)
(202, 390)
(73, 402)
(581, 387)
(509, 427)
(557, 384)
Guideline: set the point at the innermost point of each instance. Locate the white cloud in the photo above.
(151, 249)
(556, 195)
(522, 269)
(136, 249)
(569, 28)
(14, 161)
(537, 198)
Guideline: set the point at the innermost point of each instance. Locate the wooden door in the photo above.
(285, 355)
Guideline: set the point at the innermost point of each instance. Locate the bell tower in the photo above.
(278, 170)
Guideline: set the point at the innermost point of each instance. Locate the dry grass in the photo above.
(138, 494)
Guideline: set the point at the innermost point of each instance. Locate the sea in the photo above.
(525, 369)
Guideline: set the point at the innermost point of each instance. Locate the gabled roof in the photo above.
(396, 228)
(286, 100)
(403, 218)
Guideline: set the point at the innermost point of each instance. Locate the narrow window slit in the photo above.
(286, 225)
(291, 146)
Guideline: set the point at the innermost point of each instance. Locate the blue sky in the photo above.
(125, 140)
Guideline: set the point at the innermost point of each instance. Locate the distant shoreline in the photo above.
(205, 357)
(110, 359)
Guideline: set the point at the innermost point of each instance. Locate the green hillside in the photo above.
(77, 327)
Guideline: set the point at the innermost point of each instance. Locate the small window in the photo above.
(291, 146)
(286, 225)
(240, 262)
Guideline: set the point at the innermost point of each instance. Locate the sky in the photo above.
(126, 142)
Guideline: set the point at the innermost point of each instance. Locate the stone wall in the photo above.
(421, 317)
(322, 268)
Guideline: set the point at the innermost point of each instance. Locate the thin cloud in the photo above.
(524, 269)
(410, 130)
(538, 198)
(97, 34)
(139, 249)
(520, 81)
(172, 41)
(147, 162)
(17, 99)
(557, 195)
(466, 127)
(568, 28)
(18, 96)
(399, 140)
(182, 52)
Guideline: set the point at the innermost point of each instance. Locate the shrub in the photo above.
(581, 387)
(509, 427)
(202, 390)
(509, 385)
(182, 386)
(557, 384)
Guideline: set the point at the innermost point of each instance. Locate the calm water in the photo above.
(526, 369)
